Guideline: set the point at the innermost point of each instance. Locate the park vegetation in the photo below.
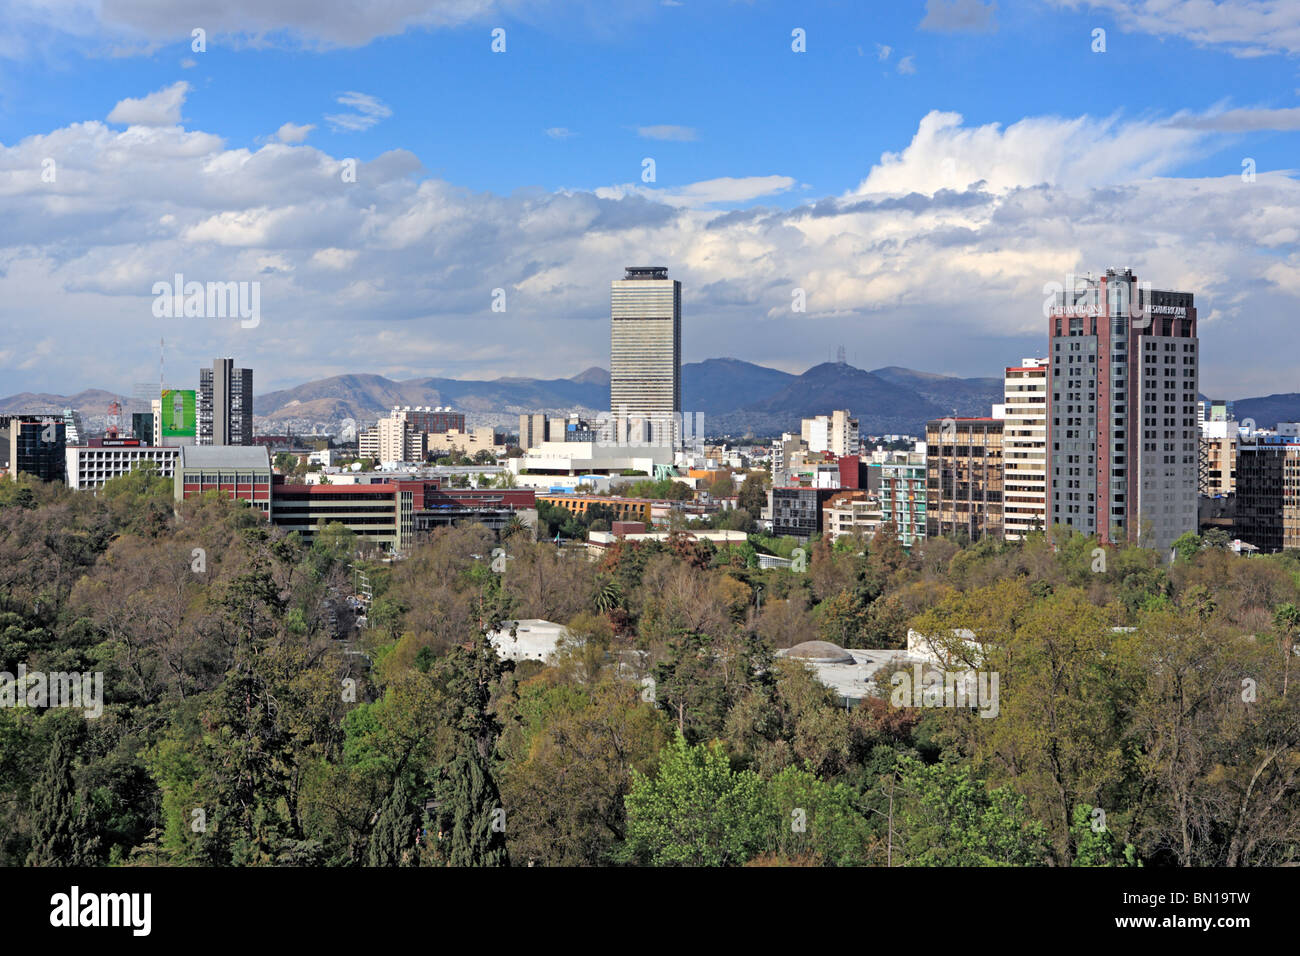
(237, 729)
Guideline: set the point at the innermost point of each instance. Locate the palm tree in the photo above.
(608, 595)
(506, 480)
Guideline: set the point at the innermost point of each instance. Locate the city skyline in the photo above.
(948, 205)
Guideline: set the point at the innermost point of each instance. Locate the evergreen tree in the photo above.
(61, 830)
(477, 817)
(391, 840)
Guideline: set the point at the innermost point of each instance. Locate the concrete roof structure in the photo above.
(527, 639)
(225, 456)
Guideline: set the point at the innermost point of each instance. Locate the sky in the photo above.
(447, 187)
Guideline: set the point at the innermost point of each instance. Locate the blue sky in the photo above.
(522, 170)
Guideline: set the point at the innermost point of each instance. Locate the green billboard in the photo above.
(178, 416)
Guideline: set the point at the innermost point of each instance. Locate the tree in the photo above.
(951, 819)
(753, 493)
(61, 834)
(1287, 622)
(394, 835)
(697, 811)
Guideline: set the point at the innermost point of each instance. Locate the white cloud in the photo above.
(293, 132)
(162, 108)
(558, 132)
(367, 111)
(907, 66)
(882, 52)
(707, 192)
(1245, 27)
(916, 246)
(681, 134)
(1077, 152)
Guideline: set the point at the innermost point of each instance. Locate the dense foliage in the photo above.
(1145, 714)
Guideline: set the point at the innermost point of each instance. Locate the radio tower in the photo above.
(840, 356)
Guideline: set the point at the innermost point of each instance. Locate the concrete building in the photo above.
(1024, 448)
(964, 477)
(480, 439)
(836, 433)
(532, 430)
(646, 353)
(225, 400)
(855, 511)
(528, 639)
(88, 467)
(237, 472)
(1217, 472)
(1122, 411)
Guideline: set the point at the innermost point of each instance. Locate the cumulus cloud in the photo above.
(293, 132)
(353, 273)
(162, 108)
(367, 110)
(558, 132)
(883, 51)
(907, 65)
(681, 134)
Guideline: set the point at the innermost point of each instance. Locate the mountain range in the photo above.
(736, 397)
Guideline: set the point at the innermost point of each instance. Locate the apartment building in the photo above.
(1122, 410)
(1024, 448)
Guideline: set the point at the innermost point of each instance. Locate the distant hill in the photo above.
(736, 397)
(1270, 409)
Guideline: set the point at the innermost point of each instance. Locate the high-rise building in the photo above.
(532, 430)
(645, 389)
(225, 404)
(1024, 448)
(1122, 411)
(964, 477)
(836, 433)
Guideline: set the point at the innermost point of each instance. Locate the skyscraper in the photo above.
(1024, 448)
(225, 404)
(1122, 415)
(645, 364)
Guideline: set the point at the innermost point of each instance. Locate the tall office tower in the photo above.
(1024, 448)
(1122, 415)
(645, 363)
(225, 404)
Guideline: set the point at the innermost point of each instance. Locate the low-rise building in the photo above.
(88, 467)
(241, 472)
(855, 511)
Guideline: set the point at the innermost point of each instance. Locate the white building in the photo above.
(88, 467)
(836, 433)
(1024, 448)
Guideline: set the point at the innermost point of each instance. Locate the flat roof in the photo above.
(225, 456)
